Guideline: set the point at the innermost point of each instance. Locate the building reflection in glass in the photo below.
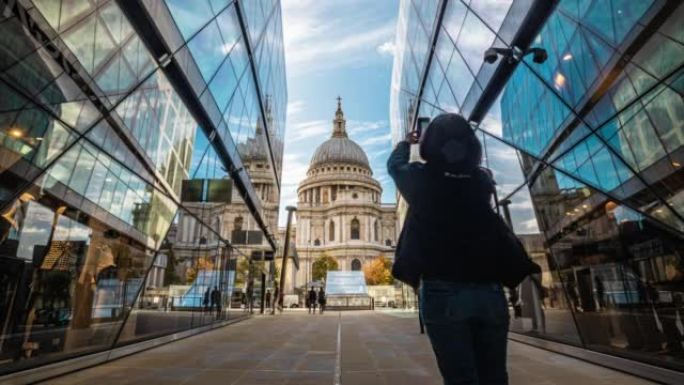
(137, 198)
(587, 152)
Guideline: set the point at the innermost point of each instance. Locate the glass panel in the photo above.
(223, 84)
(230, 28)
(40, 79)
(504, 162)
(621, 271)
(539, 306)
(68, 279)
(29, 140)
(208, 49)
(475, 42)
(190, 16)
(64, 13)
(126, 197)
(188, 285)
(526, 113)
(162, 125)
(492, 12)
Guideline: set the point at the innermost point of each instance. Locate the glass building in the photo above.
(587, 151)
(141, 147)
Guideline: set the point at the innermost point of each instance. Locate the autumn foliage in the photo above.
(378, 271)
(321, 267)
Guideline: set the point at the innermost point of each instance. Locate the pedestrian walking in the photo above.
(457, 250)
(321, 300)
(276, 298)
(268, 298)
(207, 297)
(250, 296)
(312, 300)
(216, 300)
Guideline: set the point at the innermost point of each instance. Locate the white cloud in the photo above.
(380, 153)
(294, 107)
(522, 205)
(373, 140)
(492, 124)
(319, 36)
(529, 226)
(358, 127)
(298, 131)
(296, 167)
(386, 48)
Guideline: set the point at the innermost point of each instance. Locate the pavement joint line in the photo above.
(338, 360)
(289, 371)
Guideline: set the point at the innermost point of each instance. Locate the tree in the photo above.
(203, 263)
(170, 275)
(322, 265)
(242, 272)
(378, 271)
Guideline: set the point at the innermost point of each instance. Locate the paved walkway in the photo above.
(297, 348)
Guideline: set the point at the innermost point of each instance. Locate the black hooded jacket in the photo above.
(449, 217)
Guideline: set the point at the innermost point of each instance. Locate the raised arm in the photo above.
(402, 172)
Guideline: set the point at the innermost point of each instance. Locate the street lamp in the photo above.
(286, 250)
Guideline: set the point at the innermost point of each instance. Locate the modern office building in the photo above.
(140, 158)
(587, 149)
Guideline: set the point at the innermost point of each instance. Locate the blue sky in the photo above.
(337, 47)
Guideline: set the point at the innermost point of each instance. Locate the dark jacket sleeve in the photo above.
(402, 172)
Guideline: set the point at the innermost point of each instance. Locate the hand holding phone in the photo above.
(412, 137)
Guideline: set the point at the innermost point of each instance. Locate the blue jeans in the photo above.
(468, 326)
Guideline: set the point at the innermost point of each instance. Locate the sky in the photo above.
(345, 48)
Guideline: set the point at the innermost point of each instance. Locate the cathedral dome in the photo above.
(339, 148)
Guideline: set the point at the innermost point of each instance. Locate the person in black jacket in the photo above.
(312, 300)
(321, 300)
(449, 218)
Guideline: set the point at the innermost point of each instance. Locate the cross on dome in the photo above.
(339, 123)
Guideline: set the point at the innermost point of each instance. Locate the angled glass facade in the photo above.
(586, 148)
(141, 148)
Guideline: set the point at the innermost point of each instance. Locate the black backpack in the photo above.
(499, 250)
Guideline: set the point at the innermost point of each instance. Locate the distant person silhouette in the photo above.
(268, 298)
(207, 297)
(600, 292)
(216, 300)
(321, 300)
(312, 300)
(462, 301)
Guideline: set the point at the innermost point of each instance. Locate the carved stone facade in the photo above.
(339, 213)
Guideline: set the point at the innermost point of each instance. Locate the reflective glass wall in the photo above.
(140, 156)
(586, 149)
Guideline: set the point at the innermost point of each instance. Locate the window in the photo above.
(356, 265)
(331, 231)
(333, 193)
(237, 223)
(317, 242)
(388, 242)
(355, 195)
(355, 229)
(376, 231)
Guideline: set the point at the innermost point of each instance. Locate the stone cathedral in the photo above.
(339, 212)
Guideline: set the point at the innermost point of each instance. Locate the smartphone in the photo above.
(421, 126)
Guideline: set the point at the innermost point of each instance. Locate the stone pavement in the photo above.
(376, 348)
